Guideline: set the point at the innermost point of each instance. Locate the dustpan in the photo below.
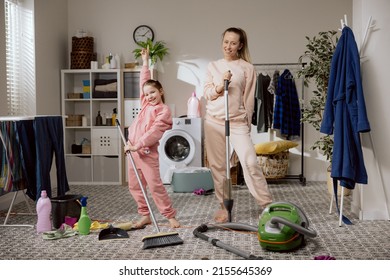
(112, 233)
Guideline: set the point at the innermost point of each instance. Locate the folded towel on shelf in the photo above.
(107, 87)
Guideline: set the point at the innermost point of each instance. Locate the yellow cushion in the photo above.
(274, 147)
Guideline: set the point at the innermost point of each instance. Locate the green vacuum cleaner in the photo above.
(283, 226)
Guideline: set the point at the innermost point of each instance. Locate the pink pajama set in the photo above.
(241, 105)
(145, 133)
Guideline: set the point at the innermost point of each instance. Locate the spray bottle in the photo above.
(84, 223)
(193, 107)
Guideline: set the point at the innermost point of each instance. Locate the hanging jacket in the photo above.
(345, 113)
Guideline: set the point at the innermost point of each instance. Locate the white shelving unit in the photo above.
(101, 163)
(131, 104)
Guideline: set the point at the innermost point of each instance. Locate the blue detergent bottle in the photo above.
(84, 223)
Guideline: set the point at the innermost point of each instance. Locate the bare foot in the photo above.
(221, 216)
(174, 223)
(145, 220)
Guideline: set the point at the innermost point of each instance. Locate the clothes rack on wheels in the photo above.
(27, 146)
(274, 66)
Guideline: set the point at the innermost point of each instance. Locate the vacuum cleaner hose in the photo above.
(305, 231)
(305, 221)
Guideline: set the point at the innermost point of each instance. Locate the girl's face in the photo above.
(153, 95)
(231, 45)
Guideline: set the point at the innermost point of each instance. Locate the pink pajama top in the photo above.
(152, 121)
(241, 92)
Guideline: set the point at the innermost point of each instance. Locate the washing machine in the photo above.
(181, 146)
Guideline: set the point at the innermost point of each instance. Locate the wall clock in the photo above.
(142, 33)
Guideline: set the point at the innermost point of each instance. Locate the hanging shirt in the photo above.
(263, 104)
(287, 112)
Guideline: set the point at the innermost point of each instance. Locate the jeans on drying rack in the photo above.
(25, 133)
(49, 141)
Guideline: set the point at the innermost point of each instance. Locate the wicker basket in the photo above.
(274, 166)
(81, 59)
(74, 120)
(74, 95)
(84, 44)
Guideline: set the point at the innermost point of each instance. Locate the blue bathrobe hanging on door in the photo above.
(345, 113)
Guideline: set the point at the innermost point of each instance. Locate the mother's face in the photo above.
(231, 45)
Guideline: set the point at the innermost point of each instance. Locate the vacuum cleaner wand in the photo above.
(200, 233)
(227, 197)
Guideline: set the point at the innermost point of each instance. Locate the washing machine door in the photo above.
(177, 148)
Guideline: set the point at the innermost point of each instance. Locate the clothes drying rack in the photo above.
(16, 192)
(301, 177)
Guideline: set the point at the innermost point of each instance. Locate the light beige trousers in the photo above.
(241, 141)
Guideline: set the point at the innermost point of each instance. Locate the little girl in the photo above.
(143, 140)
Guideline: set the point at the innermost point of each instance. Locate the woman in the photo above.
(235, 67)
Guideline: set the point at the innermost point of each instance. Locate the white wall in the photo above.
(372, 200)
(50, 53)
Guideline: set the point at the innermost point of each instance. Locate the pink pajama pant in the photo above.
(241, 141)
(149, 172)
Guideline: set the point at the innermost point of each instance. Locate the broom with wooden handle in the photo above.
(159, 239)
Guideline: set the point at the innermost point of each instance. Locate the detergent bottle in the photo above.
(43, 213)
(84, 223)
(113, 117)
(193, 107)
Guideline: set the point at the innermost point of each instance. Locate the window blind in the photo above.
(20, 58)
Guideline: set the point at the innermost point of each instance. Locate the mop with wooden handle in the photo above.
(227, 190)
(159, 239)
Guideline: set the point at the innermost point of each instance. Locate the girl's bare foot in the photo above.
(145, 220)
(174, 223)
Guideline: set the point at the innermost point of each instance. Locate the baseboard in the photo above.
(369, 215)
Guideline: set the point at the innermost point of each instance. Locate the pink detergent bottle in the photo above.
(43, 213)
(193, 107)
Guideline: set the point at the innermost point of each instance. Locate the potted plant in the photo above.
(319, 52)
(157, 50)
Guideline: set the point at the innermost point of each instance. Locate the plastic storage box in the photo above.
(191, 178)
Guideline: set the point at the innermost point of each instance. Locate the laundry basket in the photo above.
(274, 166)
